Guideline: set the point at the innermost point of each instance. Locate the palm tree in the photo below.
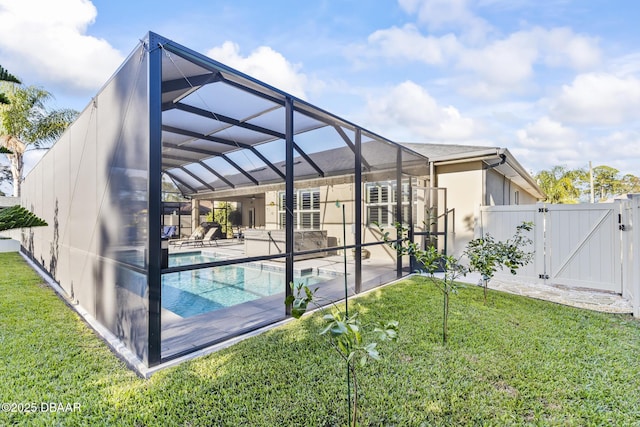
(560, 184)
(26, 122)
(5, 76)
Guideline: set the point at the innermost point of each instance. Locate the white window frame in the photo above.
(380, 202)
(306, 209)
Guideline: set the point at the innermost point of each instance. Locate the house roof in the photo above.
(442, 152)
(497, 158)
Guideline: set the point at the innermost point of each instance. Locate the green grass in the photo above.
(515, 361)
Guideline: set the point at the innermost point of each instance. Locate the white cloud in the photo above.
(486, 70)
(408, 43)
(46, 40)
(409, 111)
(619, 149)
(508, 64)
(619, 146)
(264, 64)
(560, 47)
(626, 65)
(448, 14)
(547, 143)
(547, 134)
(599, 99)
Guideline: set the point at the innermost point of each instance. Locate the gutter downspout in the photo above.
(433, 196)
(432, 182)
(503, 160)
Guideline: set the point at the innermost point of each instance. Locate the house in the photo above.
(310, 187)
(219, 135)
(475, 176)
(465, 178)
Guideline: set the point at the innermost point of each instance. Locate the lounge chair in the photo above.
(197, 235)
(204, 232)
(169, 231)
(211, 237)
(238, 233)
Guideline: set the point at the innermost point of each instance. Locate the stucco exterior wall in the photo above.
(331, 219)
(469, 186)
(464, 184)
(524, 197)
(500, 190)
(330, 214)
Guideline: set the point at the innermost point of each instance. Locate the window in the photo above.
(381, 198)
(379, 205)
(516, 198)
(306, 209)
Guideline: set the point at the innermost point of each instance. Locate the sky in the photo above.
(557, 82)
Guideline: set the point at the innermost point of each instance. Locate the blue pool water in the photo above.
(190, 293)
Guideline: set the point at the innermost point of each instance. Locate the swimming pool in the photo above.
(190, 293)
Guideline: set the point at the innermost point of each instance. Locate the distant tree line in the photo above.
(563, 185)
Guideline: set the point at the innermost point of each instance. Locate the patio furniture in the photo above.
(268, 242)
(211, 237)
(205, 232)
(237, 233)
(169, 231)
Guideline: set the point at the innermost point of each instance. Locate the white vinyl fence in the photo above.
(594, 246)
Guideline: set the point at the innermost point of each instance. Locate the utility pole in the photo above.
(593, 199)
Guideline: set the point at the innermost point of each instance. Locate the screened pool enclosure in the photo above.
(307, 187)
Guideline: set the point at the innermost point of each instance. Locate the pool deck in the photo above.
(225, 326)
(575, 297)
(186, 334)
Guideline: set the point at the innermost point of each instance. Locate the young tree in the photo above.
(431, 262)
(486, 255)
(27, 123)
(345, 333)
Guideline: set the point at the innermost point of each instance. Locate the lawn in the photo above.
(515, 361)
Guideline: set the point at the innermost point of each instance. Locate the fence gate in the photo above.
(575, 245)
